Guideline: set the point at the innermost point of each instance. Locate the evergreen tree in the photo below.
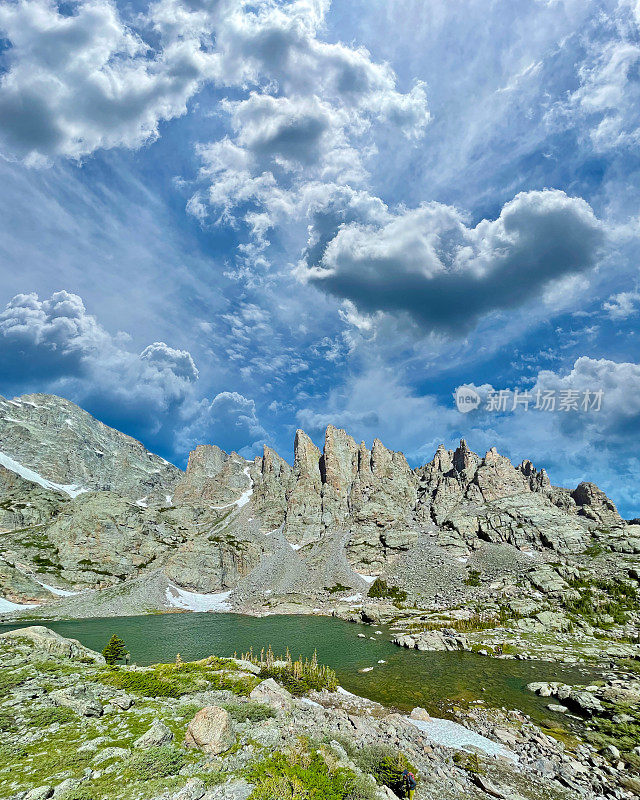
(115, 650)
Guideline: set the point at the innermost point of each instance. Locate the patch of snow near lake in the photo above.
(7, 605)
(352, 598)
(447, 733)
(295, 546)
(194, 601)
(28, 474)
(54, 589)
(367, 578)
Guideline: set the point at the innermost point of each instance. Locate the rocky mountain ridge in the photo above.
(85, 508)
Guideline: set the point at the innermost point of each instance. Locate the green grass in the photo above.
(601, 598)
(43, 717)
(171, 680)
(473, 578)
(9, 680)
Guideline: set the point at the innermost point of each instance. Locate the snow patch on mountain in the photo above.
(11, 464)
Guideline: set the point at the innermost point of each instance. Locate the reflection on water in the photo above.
(408, 679)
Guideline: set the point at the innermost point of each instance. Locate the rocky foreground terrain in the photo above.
(465, 552)
(224, 729)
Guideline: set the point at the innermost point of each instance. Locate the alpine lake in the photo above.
(393, 676)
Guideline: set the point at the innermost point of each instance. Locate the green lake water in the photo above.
(409, 678)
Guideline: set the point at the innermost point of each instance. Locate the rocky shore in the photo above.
(219, 729)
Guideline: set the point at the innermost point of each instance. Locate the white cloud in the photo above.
(310, 118)
(55, 345)
(622, 305)
(82, 81)
(56, 340)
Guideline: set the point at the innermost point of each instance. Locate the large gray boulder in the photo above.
(81, 698)
(48, 641)
(157, 735)
(211, 730)
(272, 694)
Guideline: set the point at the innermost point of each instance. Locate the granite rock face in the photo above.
(66, 445)
(212, 477)
(490, 499)
(593, 504)
(345, 486)
(84, 507)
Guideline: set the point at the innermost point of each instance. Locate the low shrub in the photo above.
(381, 590)
(253, 712)
(300, 774)
(176, 680)
(473, 578)
(156, 762)
(386, 764)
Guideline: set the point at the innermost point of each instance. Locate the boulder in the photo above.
(48, 641)
(80, 698)
(122, 701)
(157, 735)
(272, 694)
(211, 730)
(39, 793)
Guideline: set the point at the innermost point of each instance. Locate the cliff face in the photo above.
(83, 506)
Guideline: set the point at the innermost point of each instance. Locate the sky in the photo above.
(224, 220)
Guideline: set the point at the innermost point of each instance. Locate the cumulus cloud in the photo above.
(49, 337)
(165, 358)
(309, 117)
(55, 345)
(230, 420)
(81, 81)
(57, 339)
(429, 263)
(620, 385)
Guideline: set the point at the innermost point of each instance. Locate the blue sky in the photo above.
(222, 221)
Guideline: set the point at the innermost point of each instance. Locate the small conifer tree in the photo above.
(115, 650)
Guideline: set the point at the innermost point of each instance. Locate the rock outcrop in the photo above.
(47, 641)
(212, 477)
(67, 446)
